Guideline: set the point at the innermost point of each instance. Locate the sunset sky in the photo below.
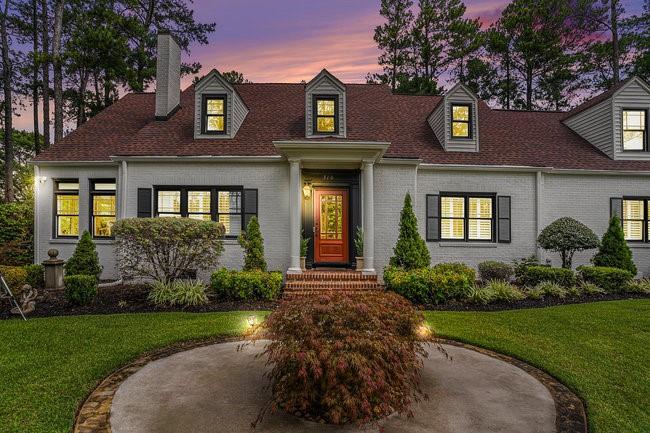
(291, 40)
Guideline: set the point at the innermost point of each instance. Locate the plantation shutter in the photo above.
(144, 203)
(503, 219)
(250, 205)
(616, 207)
(433, 217)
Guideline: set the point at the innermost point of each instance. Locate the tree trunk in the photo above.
(393, 77)
(529, 88)
(8, 106)
(615, 48)
(508, 82)
(35, 99)
(46, 72)
(58, 70)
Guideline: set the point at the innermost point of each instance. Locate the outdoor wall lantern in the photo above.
(306, 190)
(42, 179)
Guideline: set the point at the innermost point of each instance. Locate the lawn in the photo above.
(600, 350)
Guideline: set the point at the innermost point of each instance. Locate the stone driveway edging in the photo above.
(93, 415)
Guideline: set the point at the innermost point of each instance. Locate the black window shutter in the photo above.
(433, 217)
(144, 203)
(616, 207)
(503, 219)
(250, 205)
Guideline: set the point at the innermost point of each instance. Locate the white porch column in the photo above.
(294, 216)
(368, 217)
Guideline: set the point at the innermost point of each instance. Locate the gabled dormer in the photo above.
(616, 121)
(219, 111)
(455, 120)
(325, 102)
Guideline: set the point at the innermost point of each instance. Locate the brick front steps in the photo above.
(313, 282)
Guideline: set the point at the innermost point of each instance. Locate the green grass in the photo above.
(48, 366)
(601, 351)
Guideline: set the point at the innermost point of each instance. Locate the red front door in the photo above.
(331, 225)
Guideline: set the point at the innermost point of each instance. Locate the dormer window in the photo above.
(326, 115)
(214, 114)
(634, 130)
(461, 121)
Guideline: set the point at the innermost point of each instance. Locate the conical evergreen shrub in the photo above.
(410, 251)
(614, 251)
(253, 243)
(84, 260)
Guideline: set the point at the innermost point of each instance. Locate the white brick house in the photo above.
(324, 158)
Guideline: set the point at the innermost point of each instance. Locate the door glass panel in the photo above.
(331, 216)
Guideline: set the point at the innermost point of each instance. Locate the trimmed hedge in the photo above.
(431, 285)
(493, 270)
(533, 275)
(246, 285)
(609, 279)
(80, 289)
(35, 275)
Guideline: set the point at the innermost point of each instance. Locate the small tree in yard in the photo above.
(613, 251)
(567, 236)
(410, 251)
(84, 260)
(166, 248)
(253, 243)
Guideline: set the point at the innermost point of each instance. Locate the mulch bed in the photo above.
(124, 299)
(534, 303)
(133, 299)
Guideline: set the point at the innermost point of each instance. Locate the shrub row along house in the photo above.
(324, 158)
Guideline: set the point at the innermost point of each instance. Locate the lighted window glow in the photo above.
(325, 115)
(169, 202)
(67, 210)
(103, 215)
(466, 218)
(634, 129)
(215, 114)
(198, 205)
(633, 219)
(460, 121)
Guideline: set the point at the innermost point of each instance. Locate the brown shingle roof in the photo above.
(514, 138)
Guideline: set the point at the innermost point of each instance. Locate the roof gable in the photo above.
(324, 75)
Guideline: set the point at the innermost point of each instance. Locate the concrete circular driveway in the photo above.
(218, 389)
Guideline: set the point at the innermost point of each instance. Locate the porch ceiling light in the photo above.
(306, 190)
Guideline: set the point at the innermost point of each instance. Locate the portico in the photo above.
(340, 156)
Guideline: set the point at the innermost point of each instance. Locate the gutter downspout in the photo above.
(123, 190)
(539, 184)
(37, 191)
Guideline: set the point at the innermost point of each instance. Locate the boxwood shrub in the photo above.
(609, 279)
(80, 289)
(533, 275)
(431, 285)
(493, 270)
(340, 358)
(246, 285)
(35, 275)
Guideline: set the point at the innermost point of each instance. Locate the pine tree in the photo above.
(393, 37)
(84, 260)
(410, 251)
(253, 243)
(614, 251)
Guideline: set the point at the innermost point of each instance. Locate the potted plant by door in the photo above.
(358, 247)
(304, 243)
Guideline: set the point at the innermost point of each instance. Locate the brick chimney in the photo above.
(168, 76)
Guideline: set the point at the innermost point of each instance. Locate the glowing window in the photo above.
(467, 218)
(214, 114)
(634, 219)
(103, 209)
(461, 121)
(325, 112)
(634, 130)
(66, 208)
